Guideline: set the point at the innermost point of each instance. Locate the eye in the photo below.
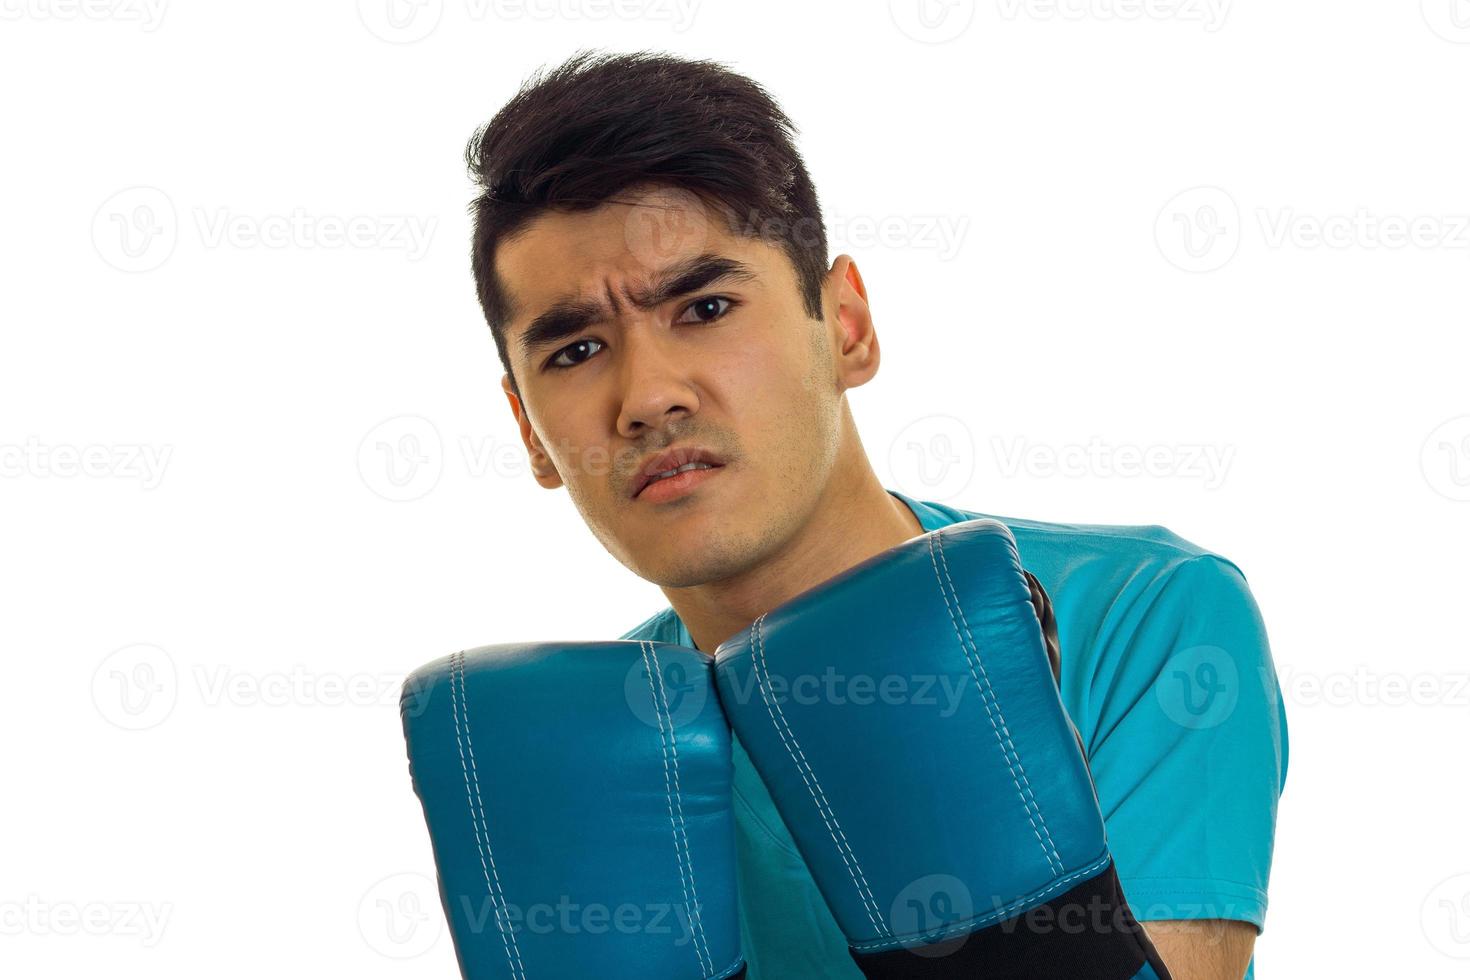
(580, 351)
(706, 309)
(703, 306)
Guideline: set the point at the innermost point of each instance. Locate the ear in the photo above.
(856, 341)
(541, 466)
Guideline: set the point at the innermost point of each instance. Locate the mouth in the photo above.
(675, 471)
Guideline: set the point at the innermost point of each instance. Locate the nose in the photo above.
(657, 386)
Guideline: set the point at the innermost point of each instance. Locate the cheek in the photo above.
(756, 393)
(762, 371)
(576, 444)
(783, 411)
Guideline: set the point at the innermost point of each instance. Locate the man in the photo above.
(650, 256)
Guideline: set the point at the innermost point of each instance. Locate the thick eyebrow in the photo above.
(570, 317)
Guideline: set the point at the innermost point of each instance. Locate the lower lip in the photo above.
(662, 491)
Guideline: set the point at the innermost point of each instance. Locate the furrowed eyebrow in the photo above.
(568, 318)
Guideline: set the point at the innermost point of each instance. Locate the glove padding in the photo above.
(578, 801)
(935, 787)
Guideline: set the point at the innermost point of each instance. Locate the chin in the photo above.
(677, 567)
(677, 572)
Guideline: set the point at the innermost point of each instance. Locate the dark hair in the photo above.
(601, 123)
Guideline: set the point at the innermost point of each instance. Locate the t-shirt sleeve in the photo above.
(1188, 748)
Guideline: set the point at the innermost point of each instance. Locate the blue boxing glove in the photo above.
(905, 719)
(578, 801)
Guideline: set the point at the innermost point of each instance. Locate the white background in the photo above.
(252, 475)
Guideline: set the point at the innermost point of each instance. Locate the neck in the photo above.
(858, 519)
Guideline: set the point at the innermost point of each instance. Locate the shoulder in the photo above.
(1100, 559)
(1121, 560)
(1128, 596)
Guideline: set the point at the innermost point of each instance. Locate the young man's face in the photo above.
(730, 363)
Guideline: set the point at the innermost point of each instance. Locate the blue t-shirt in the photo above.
(1167, 675)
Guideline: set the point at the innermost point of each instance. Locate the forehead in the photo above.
(621, 245)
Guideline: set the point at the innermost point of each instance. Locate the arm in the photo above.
(1204, 949)
(1188, 749)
